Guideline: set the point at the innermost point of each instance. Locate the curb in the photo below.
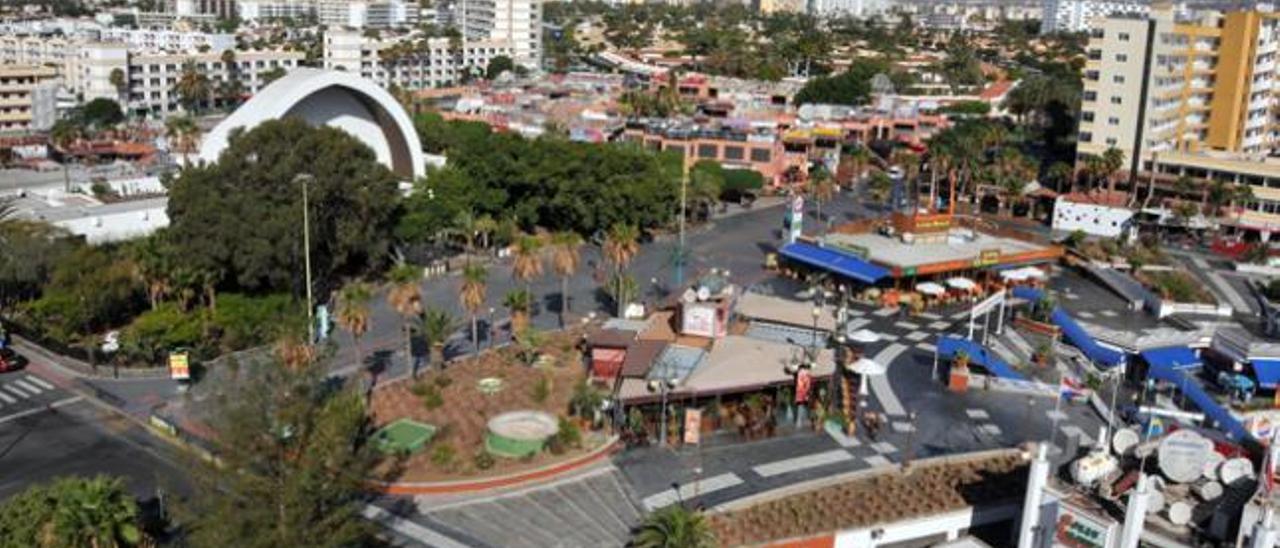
(511, 480)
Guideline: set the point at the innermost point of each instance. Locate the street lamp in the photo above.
(493, 329)
(663, 386)
(305, 180)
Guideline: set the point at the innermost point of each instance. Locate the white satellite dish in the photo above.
(704, 293)
(1182, 455)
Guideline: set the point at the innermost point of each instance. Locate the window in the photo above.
(1124, 37)
(761, 155)
(1117, 79)
(1090, 96)
(1111, 141)
(707, 151)
(1122, 58)
(1113, 121)
(1091, 75)
(1086, 137)
(1086, 116)
(732, 152)
(1116, 100)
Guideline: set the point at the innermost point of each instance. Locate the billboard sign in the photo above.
(179, 366)
(692, 425)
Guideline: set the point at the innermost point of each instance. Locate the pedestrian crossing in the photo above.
(20, 391)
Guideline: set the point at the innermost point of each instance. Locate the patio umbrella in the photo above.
(866, 367)
(1034, 273)
(930, 288)
(963, 284)
(864, 336)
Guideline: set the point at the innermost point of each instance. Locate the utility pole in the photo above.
(305, 179)
(684, 191)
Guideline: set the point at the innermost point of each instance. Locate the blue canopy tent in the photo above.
(1085, 342)
(1176, 357)
(949, 345)
(834, 261)
(1267, 372)
(1028, 293)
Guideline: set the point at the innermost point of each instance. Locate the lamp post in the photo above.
(663, 386)
(305, 179)
(493, 329)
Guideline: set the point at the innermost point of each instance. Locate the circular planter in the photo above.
(519, 433)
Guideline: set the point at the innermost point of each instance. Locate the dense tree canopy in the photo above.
(548, 182)
(851, 87)
(72, 511)
(238, 222)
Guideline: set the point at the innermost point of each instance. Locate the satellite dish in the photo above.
(1179, 513)
(689, 295)
(704, 293)
(1234, 470)
(1124, 440)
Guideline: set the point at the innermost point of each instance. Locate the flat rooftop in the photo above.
(961, 245)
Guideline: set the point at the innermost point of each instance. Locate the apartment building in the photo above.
(153, 75)
(409, 61)
(1078, 15)
(27, 98)
(334, 13)
(517, 22)
(266, 10)
(1157, 83)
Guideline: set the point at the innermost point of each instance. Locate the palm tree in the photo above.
(1112, 161)
(437, 325)
(674, 526)
(519, 302)
(1061, 174)
(405, 297)
(117, 80)
(821, 189)
(97, 512)
(620, 246)
(150, 257)
(181, 131)
(474, 279)
(527, 263)
(859, 157)
(193, 87)
(564, 261)
(485, 227)
(353, 313)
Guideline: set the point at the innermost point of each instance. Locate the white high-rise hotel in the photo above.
(518, 22)
(1075, 15)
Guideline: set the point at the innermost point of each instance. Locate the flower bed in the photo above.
(1175, 286)
(461, 405)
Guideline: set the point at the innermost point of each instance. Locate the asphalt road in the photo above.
(56, 433)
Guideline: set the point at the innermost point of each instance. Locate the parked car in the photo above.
(11, 361)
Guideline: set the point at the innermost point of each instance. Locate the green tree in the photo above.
(294, 458)
(353, 313)
(472, 296)
(674, 526)
(706, 183)
(91, 289)
(564, 260)
(405, 297)
(71, 511)
(239, 220)
(851, 87)
(29, 251)
(101, 113)
(270, 75)
(498, 65)
(192, 87)
(520, 304)
(437, 326)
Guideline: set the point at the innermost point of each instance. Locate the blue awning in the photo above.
(1190, 387)
(838, 262)
(1085, 342)
(1176, 357)
(1267, 372)
(950, 344)
(1028, 293)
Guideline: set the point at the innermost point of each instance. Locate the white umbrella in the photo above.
(1033, 272)
(1016, 275)
(864, 336)
(963, 284)
(930, 288)
(865, 367)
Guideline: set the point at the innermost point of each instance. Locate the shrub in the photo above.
(443, 456)
(432, 398)
(482, 460)
(244, 321)
(1273, 290)
(541, 389)
(156, 332)
(442, 380)
(568, 434)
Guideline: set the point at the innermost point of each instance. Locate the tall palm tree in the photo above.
(621, 245)
(519, 302)
(181, 131)
(527, 263)
(474, 280)
(674, 526)
(1061, 174)
(150, 257)
(859, 157)
(353, 313)
(437, 325)
(1112, 162)
(564, 261)
(193, 87)
(98, 512)
(405, 297)
(821, 189)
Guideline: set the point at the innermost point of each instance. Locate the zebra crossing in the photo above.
(20, 393)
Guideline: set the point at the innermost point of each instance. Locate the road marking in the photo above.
(939, 325)
(907, 325)
(903, 427)
(885, 312)
(1237, 302)
(796, 464)
(33, 388)
(883, 447)
(49, 407)
(880, 383)
(917, 336)
(7, 398)
(18, 391)
(40, 382)
(977, 414)
(715, 483)
(408, 528)
(927, 347)
(877, 460)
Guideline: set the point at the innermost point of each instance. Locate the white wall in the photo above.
(115, 227)
(1096, 220)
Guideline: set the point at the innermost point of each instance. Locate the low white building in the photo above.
(94, 220)
(1092, 215)
(409, 61)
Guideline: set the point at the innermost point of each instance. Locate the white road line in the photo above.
(33, 388)
(796, 464)
(40, 382)
(409, 528)
(17, 391)
(715, 483)
(33, 411)
(7, 398)
(880, 383)
(1237, 302)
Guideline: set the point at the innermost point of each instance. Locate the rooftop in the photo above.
(961, 245)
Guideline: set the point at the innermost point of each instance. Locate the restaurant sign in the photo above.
(988, 257)
(692, 425)
(179, 366)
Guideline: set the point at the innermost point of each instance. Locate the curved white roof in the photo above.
(332, 98)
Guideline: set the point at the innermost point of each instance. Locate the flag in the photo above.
(1070, 388)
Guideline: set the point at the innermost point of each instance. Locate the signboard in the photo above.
(179, 366)
(692, 425)
(699, 320)
(795, 218)
(858, 251)
(803, 383)
(909, 271)
(933, 224)
(988, 257)
(1078, 529)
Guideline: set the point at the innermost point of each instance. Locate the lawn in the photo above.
(460, 401)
